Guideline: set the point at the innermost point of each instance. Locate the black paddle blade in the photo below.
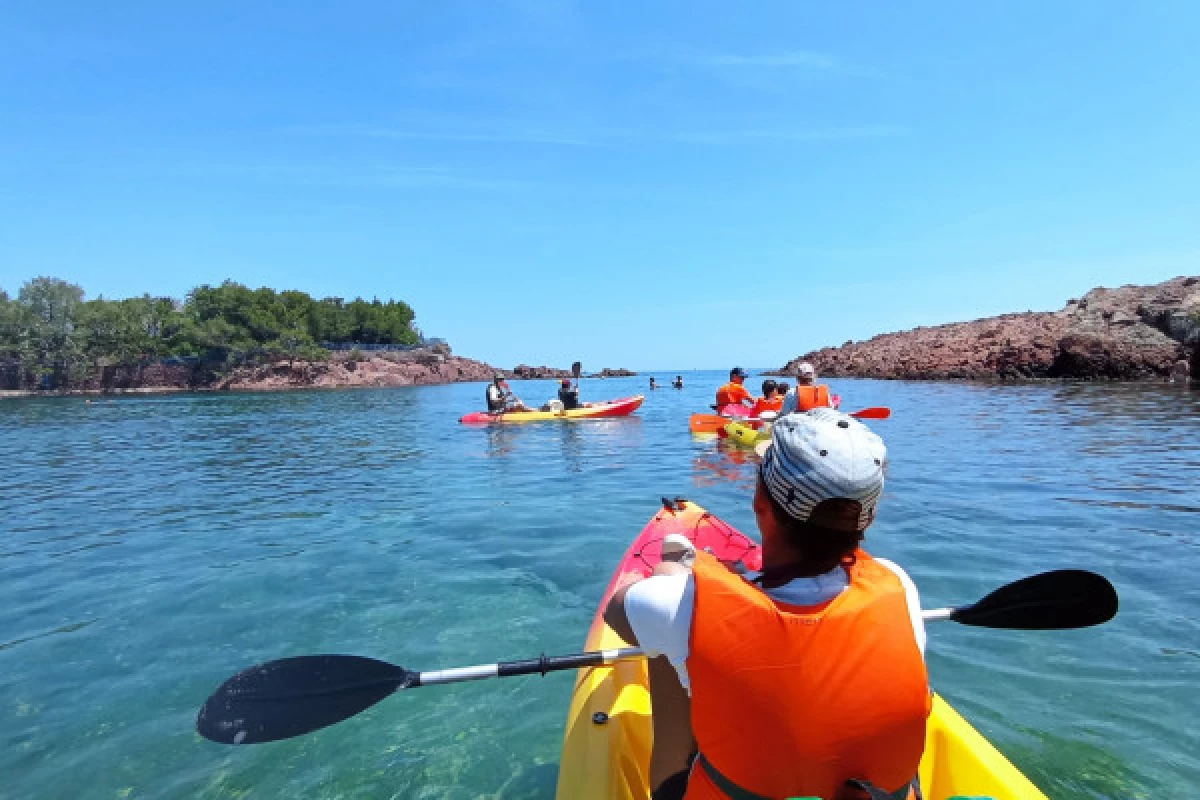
(1065, 598)
(292, 696)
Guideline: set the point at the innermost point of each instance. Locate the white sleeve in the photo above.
(789, 402)
(659, 610)
(914, 601)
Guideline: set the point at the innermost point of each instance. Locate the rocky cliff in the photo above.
(1130, 333)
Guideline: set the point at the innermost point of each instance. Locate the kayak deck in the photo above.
(608, 736)
(611, 408)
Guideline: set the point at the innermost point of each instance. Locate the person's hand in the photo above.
(626, 580)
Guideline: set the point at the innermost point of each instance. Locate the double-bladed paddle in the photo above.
(293, 696)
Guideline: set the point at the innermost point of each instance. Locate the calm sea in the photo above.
(150, 547)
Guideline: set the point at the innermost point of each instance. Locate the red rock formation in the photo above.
(346, 369)
(1130, 333)
(527, 373)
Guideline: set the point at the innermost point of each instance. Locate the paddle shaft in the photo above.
(529, 666)
(591, 658)
(715, 421)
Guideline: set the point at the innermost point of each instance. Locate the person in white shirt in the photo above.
(818, 487)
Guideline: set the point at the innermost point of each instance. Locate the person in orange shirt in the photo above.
(771, 400)
(734, 393)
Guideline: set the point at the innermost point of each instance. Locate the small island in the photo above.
(220, 338)
(1125, 334)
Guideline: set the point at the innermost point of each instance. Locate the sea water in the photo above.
(150, 547)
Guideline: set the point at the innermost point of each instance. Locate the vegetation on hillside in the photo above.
(52, 337)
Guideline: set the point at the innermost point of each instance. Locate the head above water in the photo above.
(497, 379)
(806, 373)
(566, 383)
(737, 374)
(769, 387)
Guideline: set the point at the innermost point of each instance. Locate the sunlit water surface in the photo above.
(150, 547)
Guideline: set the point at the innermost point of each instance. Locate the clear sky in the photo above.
(648, 185)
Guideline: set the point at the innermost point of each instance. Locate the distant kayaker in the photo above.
(500, 399)
(771, 399)
(568, 395)
(808, 393)
(734, 393)
(653, 383)
(796, 680)
(678, 384)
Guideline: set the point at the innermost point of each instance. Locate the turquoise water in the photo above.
(150, 547)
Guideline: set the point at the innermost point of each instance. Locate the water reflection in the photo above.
(720, 462)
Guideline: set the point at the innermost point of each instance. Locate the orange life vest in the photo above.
(763, 404)
(732, 393)
(792, 701)
(810, 397)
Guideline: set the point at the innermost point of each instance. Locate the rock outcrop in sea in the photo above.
(608, 372)
(1129, 333)
(526, 372)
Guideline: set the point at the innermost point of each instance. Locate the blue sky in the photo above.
(655, 186)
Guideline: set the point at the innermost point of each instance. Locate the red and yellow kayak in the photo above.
(611, 408)
(608, 736)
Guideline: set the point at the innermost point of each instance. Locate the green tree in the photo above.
(14, 341)
(54, 352)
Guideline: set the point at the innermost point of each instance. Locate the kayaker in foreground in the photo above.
(808, 393)
(500, 398)
(734, 393)
(811, 674)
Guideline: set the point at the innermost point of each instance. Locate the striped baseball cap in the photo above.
(824, 455)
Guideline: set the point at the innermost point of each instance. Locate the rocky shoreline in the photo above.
(343, 370)
(1128, 333)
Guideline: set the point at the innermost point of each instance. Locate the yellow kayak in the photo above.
(608, 737)
(746, 435)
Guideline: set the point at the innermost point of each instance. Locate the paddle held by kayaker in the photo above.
(734, 393)
(808, 394)
(801, 679)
